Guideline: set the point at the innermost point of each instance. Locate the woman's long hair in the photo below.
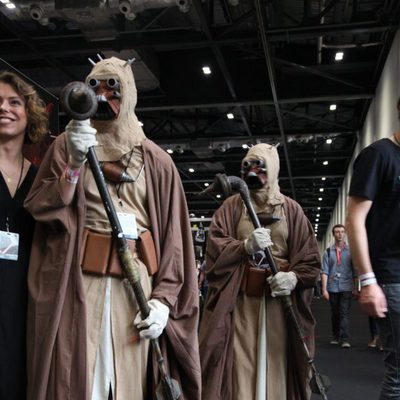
(38, 121)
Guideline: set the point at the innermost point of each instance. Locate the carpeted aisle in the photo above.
(355, 373)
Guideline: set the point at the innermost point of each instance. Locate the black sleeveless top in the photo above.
(13, 291)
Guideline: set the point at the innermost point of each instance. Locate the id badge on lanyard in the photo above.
(128, 225)
(9, 245)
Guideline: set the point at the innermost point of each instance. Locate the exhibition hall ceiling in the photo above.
(217, 76)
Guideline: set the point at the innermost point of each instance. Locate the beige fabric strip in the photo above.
(130, 357)
(247, 321)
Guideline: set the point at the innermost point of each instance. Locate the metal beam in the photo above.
(272, 135)
(14, 29)
(271, 76)
(322, 121)
(327, 9)
(281, 178)
(260, 102)
(315, 71)
(220, 60)
(182, 39)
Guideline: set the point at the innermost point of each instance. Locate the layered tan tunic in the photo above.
(57, 324)
(226, 259)
(111, 304)
(259, 347)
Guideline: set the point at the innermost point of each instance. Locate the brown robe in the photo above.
(57, 363)
(225, 260)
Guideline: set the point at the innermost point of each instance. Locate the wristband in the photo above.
(368, 281)
(71, 174)
(366, 276)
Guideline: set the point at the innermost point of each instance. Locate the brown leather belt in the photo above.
(100, 255)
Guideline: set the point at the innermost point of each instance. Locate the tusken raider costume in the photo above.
(247, 350)
(83, 334)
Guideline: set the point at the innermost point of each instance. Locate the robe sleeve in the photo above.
(175, 283)
(304, 255)
(225, 254)
(46, 200)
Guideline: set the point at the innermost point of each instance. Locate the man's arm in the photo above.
(325, 275)
(372, 299)
(324, 284)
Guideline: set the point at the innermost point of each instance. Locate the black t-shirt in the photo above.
(376, 177)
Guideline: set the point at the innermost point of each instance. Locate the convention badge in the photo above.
(128, 225)
(9, 243)
(259, 260)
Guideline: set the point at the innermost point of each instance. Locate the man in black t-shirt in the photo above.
(374, 234)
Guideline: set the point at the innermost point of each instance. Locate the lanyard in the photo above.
(339, 254)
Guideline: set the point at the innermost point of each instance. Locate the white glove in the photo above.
(155, 322)
(80, 136)
(283, 283)
(258, 240)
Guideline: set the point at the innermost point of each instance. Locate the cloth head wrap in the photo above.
(118, 136)
(270, 193)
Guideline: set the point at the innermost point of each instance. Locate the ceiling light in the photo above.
(319, 198)
(4, 1)
(316, 219)
(206, 70)
(191, 170)
(10, 6)
(218, 196)
(170, 151)
(323, 178)
(202, 216)
(321, 189)
(140, 123)
(245, 146)
(329, 141)
(179, 149)
(318, 208)
(325, 162)
(332, 107)
(230, 116)
(206, 184)
(339, 56)
(318, 215)
(221, 147)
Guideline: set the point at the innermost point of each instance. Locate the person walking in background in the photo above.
(23, 119)
(373, 331)
(374, 232)
(337, 280)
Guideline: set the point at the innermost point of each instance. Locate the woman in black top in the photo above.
(23, 119)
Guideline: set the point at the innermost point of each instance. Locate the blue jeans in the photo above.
(340, 310)
(389, 334)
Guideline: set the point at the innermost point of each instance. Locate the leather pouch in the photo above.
(147, 252)
(254, 281)
(97, 249)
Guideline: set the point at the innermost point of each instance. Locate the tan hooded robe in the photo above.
(60, 363)
(230, 330)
